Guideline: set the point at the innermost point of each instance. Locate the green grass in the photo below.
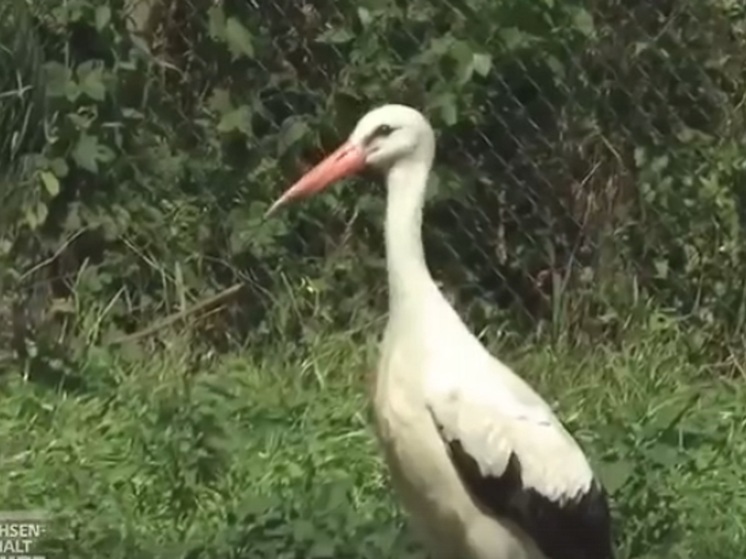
(274, 457)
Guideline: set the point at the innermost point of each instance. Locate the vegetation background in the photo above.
(183, 380)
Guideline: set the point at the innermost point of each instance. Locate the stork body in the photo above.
(480, 462)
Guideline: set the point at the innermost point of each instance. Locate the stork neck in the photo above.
(409, 278)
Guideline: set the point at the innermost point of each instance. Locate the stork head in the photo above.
(382, 138)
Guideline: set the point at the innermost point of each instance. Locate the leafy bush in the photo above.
(588, 159)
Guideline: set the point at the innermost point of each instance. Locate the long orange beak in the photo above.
(347, 160)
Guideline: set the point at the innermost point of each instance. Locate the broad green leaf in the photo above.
(335, 36)
(323, 546)
(583, 22)
(450, 114)
(512, 38)
(557, 68)
(36, 215)
(72, 91)
(102, 17)
(134, 114)
(615, 474)
(640, 156)
(461, 52)
(75, 11)
(91, 83)
(238, 119)
(80, 121)
(238, 38)
(659, 163)
(664, 455)
(290, 133)
(86, 152)
(216, 21)
(482, 63)
(661, 268)
(51, 183)
(57, 78)
(60, 305)
(446, 106)
(140, 43)
(641, 46)
(220, 101)
(59, 167)
(364, 16)
(105, 154)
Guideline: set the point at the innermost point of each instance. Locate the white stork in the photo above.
(481, 464)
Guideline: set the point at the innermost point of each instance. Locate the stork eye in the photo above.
(383, 131)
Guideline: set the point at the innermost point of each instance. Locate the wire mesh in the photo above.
(589, 151)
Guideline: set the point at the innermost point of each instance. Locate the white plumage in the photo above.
(480, 462)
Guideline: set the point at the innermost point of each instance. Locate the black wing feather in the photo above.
(578, 529)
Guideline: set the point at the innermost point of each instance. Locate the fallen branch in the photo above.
(175, 317)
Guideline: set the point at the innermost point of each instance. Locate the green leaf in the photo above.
(290, 133)
(449, 113)
(105, 154)
(238, 119)
(512, 38)
(583, 22)
(556, 66)
(59, 167)
(641, 156)
(134, 114)
(664, 455)
(220, 101)
(446, 106)
(103, 17)
(216, 21)
(661, 268)
(482, 63)
(91, 81)
(80, 121)
(88, 153)
(51, 183)
(335, 36)
(140, 44)
(614, 475)
(85, 152)
(57, 78)
(238, 38)
(41, 212)
(461, 52)
(323, 547)
(364, 16)
(659, 163)
(36, 215)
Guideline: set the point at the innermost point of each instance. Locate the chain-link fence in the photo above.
(590, 156)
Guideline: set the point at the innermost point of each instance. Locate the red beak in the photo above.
(347, 160)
